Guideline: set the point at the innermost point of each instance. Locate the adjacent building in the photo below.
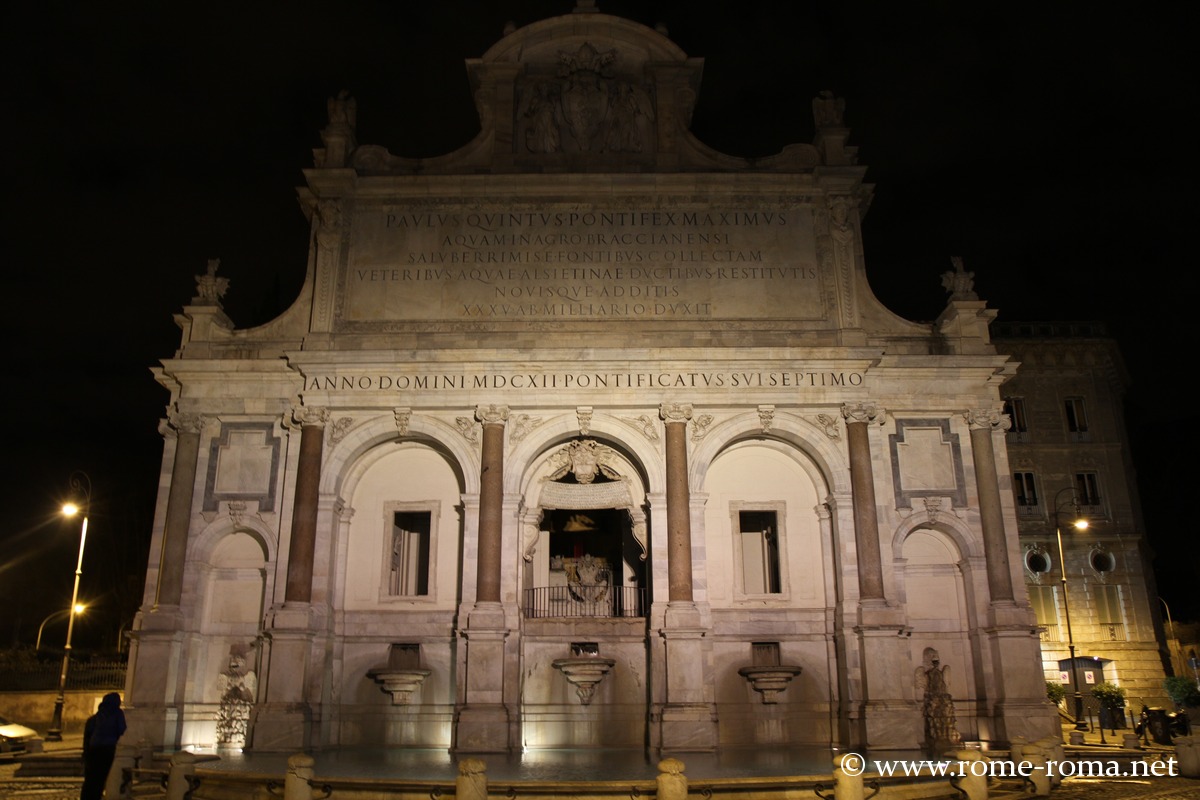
(1070, 459)
(587, 435)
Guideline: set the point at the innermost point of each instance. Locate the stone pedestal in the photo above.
(151, 708)
(283, 720)
(1022, 708)
(689, 718)
(482, 723)
(891, 719)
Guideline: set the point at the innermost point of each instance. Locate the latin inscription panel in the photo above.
(570, 265)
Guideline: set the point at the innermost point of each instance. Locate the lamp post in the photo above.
(1079, 523)
(80, 483)
(78, 608)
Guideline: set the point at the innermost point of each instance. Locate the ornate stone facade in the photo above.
(601, 433)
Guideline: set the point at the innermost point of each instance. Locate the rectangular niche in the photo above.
(926, 461)
(243, 463)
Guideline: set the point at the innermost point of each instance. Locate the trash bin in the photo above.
(1160, 725)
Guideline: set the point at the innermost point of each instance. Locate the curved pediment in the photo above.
(583, 92)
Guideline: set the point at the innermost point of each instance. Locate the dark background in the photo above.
(1050, 146)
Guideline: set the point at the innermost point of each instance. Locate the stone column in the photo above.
(688, 720)
(284, 719)
(679, 520)
(179, 509)
(482, 725)
(862, 484)
(1017, 682)
(983, 424)
(304, 509)
(491, 503)
(153, 703)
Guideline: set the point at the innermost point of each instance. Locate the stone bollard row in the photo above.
(181, 775)
(1056, 752)
(672, 783)
(1187, 751)
(973, 781)
(120, 777)
(471, 783)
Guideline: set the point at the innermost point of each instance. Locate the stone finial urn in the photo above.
(399, 683)
(584, 673)
(769, 681)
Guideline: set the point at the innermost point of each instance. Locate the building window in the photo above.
(1025, 489)
(1087, 489)
(1044, 600)
(409, 572)
(1109, 618)
(758, 549)
(1077, 421)
(1015, 408)
(1037, 561)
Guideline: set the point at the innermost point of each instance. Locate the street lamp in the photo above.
(1079, 523)
(78, 608)
(80, 484)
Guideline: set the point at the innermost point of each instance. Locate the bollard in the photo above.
(848, 776)
(179, 779)
(471, 783)
(1076, 737)
(1131, 741)
(1187, 752)
(120, 777)
(1038, 776)
(1053, 748)
(973, 782)
(297, 785)
(672, 783)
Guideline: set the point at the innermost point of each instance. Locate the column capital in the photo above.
(987, 419)
(867, 412)
(675, 412)
(309, 416)
(185, 423)
(491, 415)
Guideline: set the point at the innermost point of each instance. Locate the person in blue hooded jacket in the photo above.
(100, 735)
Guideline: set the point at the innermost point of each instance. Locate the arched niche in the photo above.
(399, 542)
(233, 576)
(584, 531)
(764, 535)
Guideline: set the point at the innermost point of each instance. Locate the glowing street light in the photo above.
(80, 483)
(1080, 524)
(78, 608)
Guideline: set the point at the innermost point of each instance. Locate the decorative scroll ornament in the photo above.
(829, 424)
(584, 414)
(466, 427)
(700, 426)
(675, 412)
(933, 507)
(647, 426)
(311, 416)
(209, 288)
(236, 510)
(585, 459)
(766, 415)
(340, 428)
(186, 423)
(863, 412)
(958, 282)
(987, 419)
(403, 420)
(521, 426)
(491, 415)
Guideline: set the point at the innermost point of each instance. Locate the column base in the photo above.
(893, 725)
(157, 724)
(482, 729)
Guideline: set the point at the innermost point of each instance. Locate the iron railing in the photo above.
(585, 600)
(44, 677)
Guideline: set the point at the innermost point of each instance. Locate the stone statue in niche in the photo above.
(237, 684)
(937, 706)
(585, 108)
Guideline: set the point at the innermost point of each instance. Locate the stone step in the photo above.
(50, 765)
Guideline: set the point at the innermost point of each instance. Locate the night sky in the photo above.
(1047, 145)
